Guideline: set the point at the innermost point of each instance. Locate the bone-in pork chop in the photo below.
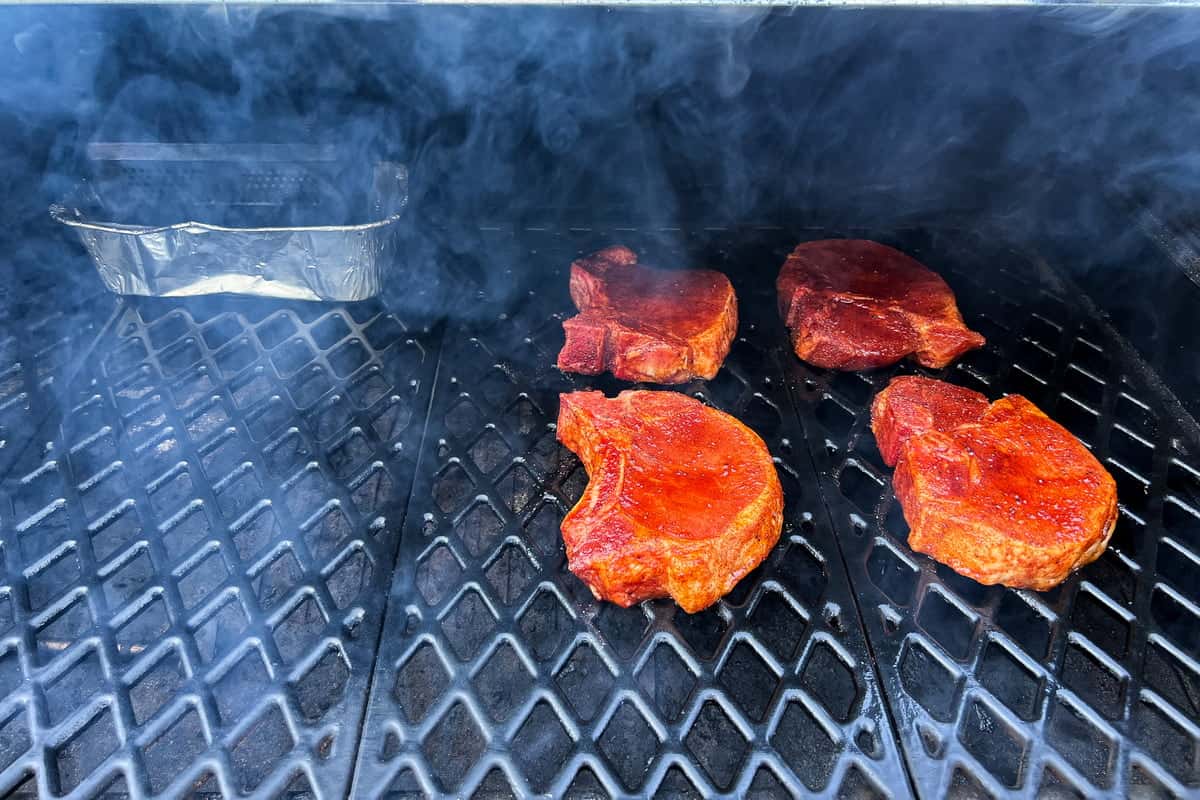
(644, 324)
(855, 304)
(682, 500)
(1000, 493)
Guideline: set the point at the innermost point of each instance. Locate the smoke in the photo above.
(631, 117)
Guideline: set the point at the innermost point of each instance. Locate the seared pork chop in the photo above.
(1000, 493)
(682, 500)
(643, 324)
(855, 304)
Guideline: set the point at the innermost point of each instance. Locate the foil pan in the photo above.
(264, 220)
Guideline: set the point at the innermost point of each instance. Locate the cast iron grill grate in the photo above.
(194, 569)
(1093, 688)
(500, 674)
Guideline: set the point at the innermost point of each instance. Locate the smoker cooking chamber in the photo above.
(271, 548)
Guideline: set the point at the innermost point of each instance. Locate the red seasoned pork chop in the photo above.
(682, 500)
(1001, 493)
(855, 304)
(643, 324)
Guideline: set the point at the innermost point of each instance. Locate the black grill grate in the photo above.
(1093, 688)
(201, 533)
(499, 672)
(195, 568)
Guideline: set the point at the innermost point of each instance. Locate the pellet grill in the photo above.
(285, 548)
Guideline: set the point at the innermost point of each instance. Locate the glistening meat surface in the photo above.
(1001, 493)
(682, 500)
(644, 324)
(855, 304)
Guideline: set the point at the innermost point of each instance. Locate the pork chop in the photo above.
(682, 500)
(1000, 493)
(856, 304)
(644, 324)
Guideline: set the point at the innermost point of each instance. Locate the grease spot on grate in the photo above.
(1169, 740)
(1023, 624)
(802, 572)
(495, 786)
(1087, 675)
(776, 623)
(946, 623)
(702, 631)
(480, 529)
(1101, 624)
(350, 579)
(892, 573)
(676, 785)
(622, 628)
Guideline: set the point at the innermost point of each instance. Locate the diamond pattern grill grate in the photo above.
(1090, 689)
(194, 571)
(500, 673)
(201, 506)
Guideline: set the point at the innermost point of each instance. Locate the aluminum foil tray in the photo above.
(499, 674)
(267, 221)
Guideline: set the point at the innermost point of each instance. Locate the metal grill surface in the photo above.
(1092, 689)
(200, 521)
(500, 674)
(195, 564)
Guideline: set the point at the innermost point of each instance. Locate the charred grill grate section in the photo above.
(1091, 689)
(195, 565)
(499, 673)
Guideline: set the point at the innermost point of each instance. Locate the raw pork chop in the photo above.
(682, 500)
(854, 304)
(1001, 493)
(643, 324)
